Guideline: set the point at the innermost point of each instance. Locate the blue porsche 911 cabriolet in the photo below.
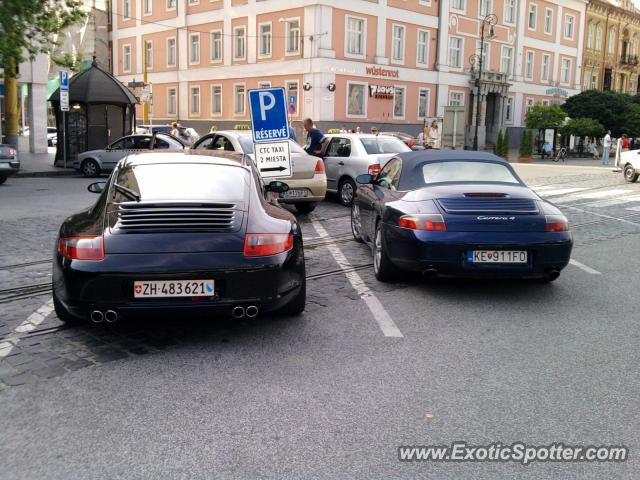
(458, 213)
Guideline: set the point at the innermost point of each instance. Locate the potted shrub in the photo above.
(497, 148)
(505, 145)
(526, 147)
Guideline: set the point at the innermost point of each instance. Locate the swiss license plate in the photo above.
(295, 194)
(4, 165)
(173, 288)
(497, 256)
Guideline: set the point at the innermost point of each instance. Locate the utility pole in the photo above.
(145, 104)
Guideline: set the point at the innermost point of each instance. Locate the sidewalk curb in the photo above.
(52, 173)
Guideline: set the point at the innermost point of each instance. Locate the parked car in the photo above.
(307, 185)
(177, 232)
(347, 155)
(462, 214)
(95, 162)
(630, 164)
(52, 136)
(9, 162)
(186, 136)
(409, 140)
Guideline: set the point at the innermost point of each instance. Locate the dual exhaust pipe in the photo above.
(110, 316)
(239, 312)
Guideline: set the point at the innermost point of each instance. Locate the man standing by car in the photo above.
(606, 147)
(314, 138)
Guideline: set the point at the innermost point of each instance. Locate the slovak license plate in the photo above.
(497, 256)
(295, 194)
(173, 288)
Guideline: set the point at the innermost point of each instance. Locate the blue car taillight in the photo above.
(429, 221)
(556, 223)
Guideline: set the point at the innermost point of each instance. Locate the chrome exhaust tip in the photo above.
(111, 316)
(238, 312)
(96, 316)
(252, 311)
(430, 273)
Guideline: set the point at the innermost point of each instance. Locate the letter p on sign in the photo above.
(263, 98)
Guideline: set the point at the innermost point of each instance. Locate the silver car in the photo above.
(94, 162)
(347, 155)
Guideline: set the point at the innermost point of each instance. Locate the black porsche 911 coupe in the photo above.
(449, 213)
(179, 232)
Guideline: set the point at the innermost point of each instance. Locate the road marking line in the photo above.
(594, 195)
(559, 191)
(384, 320)
(611, 203)
(35, 319)
(602, 215)
(584, 267)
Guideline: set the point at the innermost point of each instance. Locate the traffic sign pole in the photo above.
(64, 108)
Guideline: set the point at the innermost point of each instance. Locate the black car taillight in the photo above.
(264, 244)
(81, 248)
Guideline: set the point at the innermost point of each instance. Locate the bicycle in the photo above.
(562, 155)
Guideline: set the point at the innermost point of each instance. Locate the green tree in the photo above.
(631, 121)
(27, 28)
(584, 127)
(607, 108)
(497, 149)
(526, 144)
(545, 116)
(69, 61)
(505, 144)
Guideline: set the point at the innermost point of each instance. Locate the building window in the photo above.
(171, 52)
(264, 40)
(194, 100)
(171, 4)
(612, 41)
(594, 82)
(398, 102)
(293, 36)
(456, 99)
(565, 70)
(590, 35)
(422, 53)
(194, 2)
(172, 101)
(508, 110)
(397, 42)
(147, 7)
(356, 106)
(545, 102)
(355, 36)
(264, 84)
(598, 38)
(485, 8)
(239, 99)
(544, 71)
(292, 97)
(126, 9)
(458, 5)
(148, 53)
(216, 99)
(533, 16)
(423, 103)
(528, 67)
(216, 46)
(194, 48)
(548, 21)
(238, 43)
(126, 58)
(569, 21)
(455, 52)
(506, 60)
(510, 11)
(529, 105)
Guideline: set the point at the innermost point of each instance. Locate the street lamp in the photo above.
(490, 20)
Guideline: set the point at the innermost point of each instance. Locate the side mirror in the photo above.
(97, 187)
(365, 179)
(277, 187)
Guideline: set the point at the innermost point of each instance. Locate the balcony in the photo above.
(630, 60)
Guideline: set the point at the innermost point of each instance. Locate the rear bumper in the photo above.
(446, 252)
(316, 188)
(268, 282)
(9, 167)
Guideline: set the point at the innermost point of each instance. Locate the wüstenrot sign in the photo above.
(383, 72)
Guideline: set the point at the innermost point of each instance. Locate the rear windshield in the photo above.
(247, 145)
(375, 145)
(183, 182)
(463, 171)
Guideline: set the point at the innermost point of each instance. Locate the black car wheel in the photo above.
(305, 207)
(2, 179)
(382, 267)
(64, 315)
(356, 223)
(296, 306)
(347, 191)
(630, 174)
(90, 168)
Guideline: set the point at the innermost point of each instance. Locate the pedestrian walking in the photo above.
(314, 138)
(374, 131)
(213, 129)
(624, 143)
(606, 148)
(434, 135)
(358, 129)
(174, 130)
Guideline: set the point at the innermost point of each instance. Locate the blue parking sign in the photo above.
(269, 120)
